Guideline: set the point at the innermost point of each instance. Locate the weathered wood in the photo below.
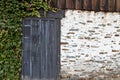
(34, 54)
(58, 48)
(70, 4)
(50, 50)
(61, 4)
(26, 31)
(103, 5)
(118, 5)
(40, 50)
(111, 5)
(41, 60)
(79, 4)
(87, 4)
(95, 5)
(26, 49)
(25, 71)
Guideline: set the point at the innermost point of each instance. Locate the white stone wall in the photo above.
(90, 44)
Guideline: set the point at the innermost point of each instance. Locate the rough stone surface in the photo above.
(90, 45)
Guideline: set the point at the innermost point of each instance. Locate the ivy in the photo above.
(11, 14)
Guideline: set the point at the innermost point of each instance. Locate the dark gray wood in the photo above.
(41, 49)
(58, 48)
(34, 54)
(26, 49)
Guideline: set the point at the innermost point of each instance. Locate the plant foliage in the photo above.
(11, 14)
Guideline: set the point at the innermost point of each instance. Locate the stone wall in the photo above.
(90, 45)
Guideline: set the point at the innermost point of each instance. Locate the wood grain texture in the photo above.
(95, 5)
(41, 55)
(87, 4)
(103, 5)
(26, 49)
(61, 4)
(118, 5)
(111, 5)
(79, 4)
(70, 4)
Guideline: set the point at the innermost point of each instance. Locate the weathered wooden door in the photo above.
(41, 49)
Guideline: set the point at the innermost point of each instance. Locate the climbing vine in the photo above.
(11, 14)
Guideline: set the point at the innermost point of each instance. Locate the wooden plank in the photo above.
(35, 72)
(111, 5)
(48, 36)
(43, 71)
(25, 71)
(58, 29)
(70, 4)
(118, 5)
(26, 60)
(61, 4)
(46, 48)
(95, 5)
(87, 4)
(26, 22)
(35, 41)
(103, 5)
(53, 50)
(34, 54)
(42, 61)
(40, 48)
(79, 4)
(51, 45)
(50, 50)
(26, 49)
(26, 31)
(26, 28)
